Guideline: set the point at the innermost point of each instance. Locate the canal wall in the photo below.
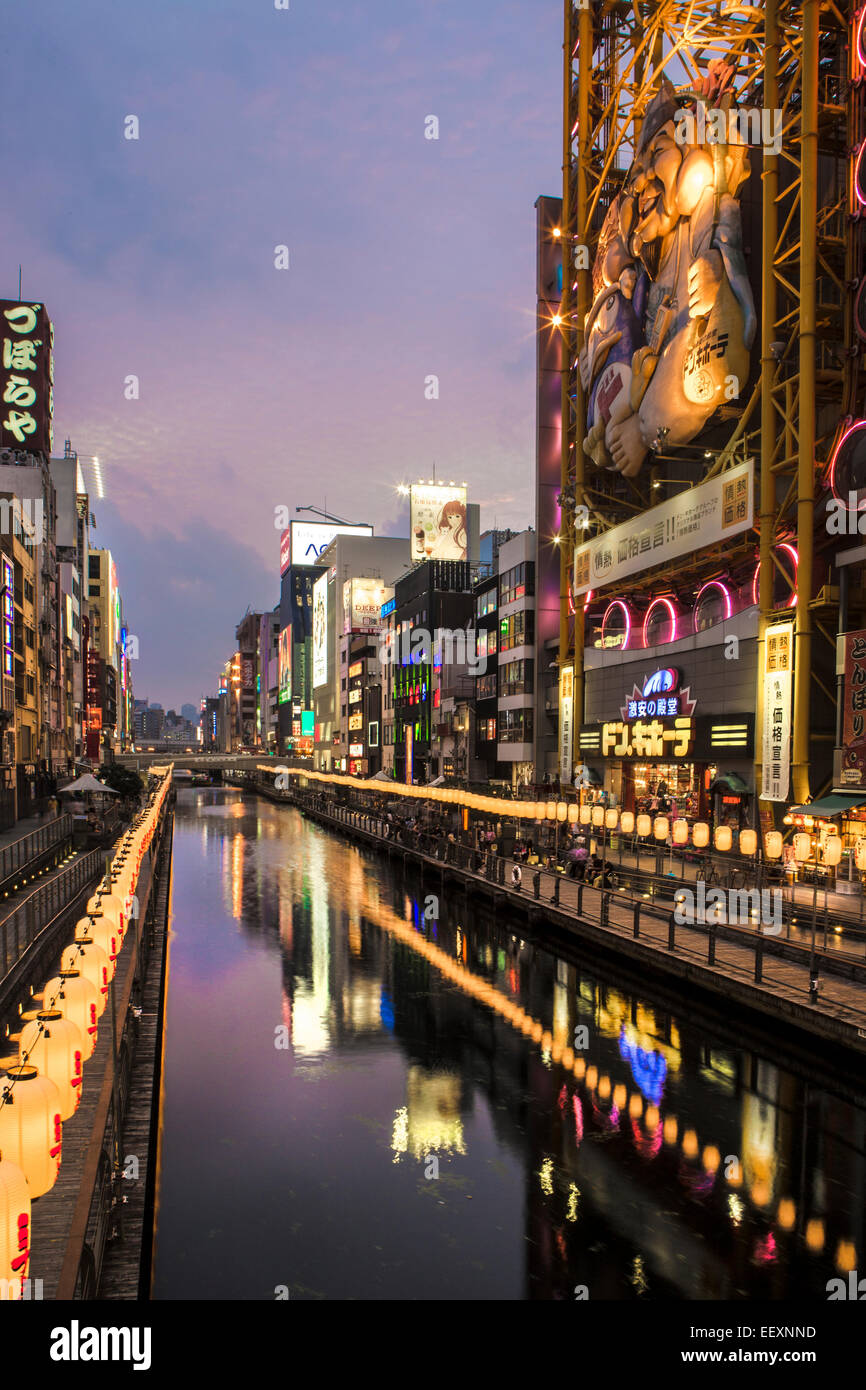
(766, 977)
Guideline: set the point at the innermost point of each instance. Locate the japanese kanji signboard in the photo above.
(26, 377)
(854, 714)
(778, 669)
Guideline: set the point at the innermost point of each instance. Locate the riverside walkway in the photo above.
(764, 973)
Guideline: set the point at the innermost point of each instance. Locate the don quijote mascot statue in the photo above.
(672, 320)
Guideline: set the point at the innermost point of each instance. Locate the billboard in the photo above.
(854, 710)
(362, 604)
(438, 528)
(285, 551)
(701, 516)
(285, 687)
(320, 631)
(776, 757)
(310, 538)
(27, 377)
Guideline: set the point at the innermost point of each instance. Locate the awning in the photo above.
(732, 783)
(836, 804)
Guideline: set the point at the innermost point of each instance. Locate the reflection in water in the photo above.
(457, 1112)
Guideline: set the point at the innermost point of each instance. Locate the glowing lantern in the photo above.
(54, 1045)
(626, 823)
(561, 811)
(585, 815)
(644, 825)
(700, 834)
(723, 838)
(748, 841)
(108, 906)
(76, 998)
(92, 961)
(610, 818)
(773, 844)
(860, 852)
(14, 1229)
(540, 810)
(681, 831)
(832, 850)
(30, 1126)
(598, 815)
(802, 847)
(661, 827)
(573, 813)
(550, 810)
(103, 931)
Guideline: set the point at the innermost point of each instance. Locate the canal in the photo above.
(371, 1092)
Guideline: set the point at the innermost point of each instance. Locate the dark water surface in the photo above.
(359, 1103)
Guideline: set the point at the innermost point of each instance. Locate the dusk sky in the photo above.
(259, 387)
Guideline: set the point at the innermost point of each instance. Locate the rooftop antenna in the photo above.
(19, 284)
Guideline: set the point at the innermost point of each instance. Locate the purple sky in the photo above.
(261, 127)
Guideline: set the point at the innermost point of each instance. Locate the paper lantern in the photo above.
(573, 813)
(14, 1230)
(30, 1126)
(54, 1045)
(108, 905)
(860, 852)
(598, 815)
(540, 810)
(74, 995)
(561, 811)
(681, 831)
(104, 932)
(611, 817)
(802, 847)
(644, 825)
(700, 834)
(773, 844)
(626, 823)
(661, 827)
(723, 838)
(748, 841)
(550, 810)
(585, 815)
(832, 850)
(92, 960)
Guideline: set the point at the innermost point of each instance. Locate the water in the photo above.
(354, 1108)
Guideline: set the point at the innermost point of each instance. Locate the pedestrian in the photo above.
(516, 876)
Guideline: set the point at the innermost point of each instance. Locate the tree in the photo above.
(122, 780)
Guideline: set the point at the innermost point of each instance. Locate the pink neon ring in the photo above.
(672, 612)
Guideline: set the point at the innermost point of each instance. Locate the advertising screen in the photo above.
(310, 538)
(320, 631)
(437, 522)
(285, 688)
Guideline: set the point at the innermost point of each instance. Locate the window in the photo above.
(485, 603)
(515, 726)
(485, 687)
(517, 582)
(518, 630)
(486, 730)
(94, 591)
(516, 678)
(93, 566)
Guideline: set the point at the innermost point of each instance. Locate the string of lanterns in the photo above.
(659, 828)
(44, 1089)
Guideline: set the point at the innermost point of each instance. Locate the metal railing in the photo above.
(25, 922)
(15, 857)
(613, 908)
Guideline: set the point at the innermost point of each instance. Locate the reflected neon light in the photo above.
(672, 613)
(617, 603)
(784, 545)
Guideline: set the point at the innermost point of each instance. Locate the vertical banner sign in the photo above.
(285, 679)
(26, 377)
(854, 716)
(566, 724)
(778, 653)
(410, 733)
